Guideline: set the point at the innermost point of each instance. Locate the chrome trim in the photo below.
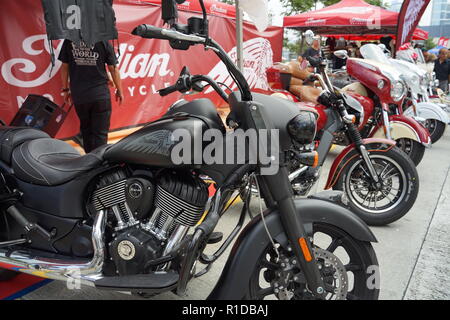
(85, 272)
(366, 158)
(175, 238)
(296, 173)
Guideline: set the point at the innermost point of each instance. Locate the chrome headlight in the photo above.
(302, 128)
(398, 90)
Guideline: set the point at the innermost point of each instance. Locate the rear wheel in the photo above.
(436, 129)
(349, 268)
(412, 148)
(6, 275)
(390, 199)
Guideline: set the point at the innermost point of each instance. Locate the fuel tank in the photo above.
(153, 144)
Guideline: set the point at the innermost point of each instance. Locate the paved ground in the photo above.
(413, 253)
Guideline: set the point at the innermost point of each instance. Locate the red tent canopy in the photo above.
(348, 17)
(419, 34)
(212, 7)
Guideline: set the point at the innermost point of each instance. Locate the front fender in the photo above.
(409, 124)
(428, 110)
(350, 152)
(402, 126)
(251, 243)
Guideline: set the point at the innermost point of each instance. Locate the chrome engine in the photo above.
(149, 217)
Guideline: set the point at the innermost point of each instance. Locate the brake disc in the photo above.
(340, 282)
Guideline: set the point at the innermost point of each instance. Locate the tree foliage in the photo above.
(429, 44)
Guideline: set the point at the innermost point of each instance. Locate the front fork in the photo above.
(355, 136)
(281, 194)
(277, 191)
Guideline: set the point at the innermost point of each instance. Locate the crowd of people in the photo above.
(441, 62)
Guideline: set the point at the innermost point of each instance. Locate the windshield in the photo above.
(408, 55)
(374, 52)
(420, 57)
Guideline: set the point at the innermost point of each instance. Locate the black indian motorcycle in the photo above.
(125, 217)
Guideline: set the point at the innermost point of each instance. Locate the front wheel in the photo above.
(349, 268)
(412, 148)
(436, 129)
(390, 199)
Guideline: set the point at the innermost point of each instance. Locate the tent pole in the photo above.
(302, 43)
(239, 36)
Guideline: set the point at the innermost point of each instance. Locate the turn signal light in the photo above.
(310, 158)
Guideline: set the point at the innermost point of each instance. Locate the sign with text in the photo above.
(145, 65)
(408, 19)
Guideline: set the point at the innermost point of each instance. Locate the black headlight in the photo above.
(302, 128)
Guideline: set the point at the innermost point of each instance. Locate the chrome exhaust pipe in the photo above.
(84, 271)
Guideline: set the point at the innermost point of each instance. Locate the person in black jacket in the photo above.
(442, 69)
(85, 82)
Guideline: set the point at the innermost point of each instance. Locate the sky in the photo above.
(277, 10)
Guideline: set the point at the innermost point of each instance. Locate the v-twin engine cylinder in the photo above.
(180, 200)
(149, 216)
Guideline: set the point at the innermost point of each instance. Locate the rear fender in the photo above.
(428, 110)
(251, 243)
(350, 152)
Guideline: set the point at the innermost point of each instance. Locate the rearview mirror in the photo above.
(341, 54)
(309, 37)
(169, 11)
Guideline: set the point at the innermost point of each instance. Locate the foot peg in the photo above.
(215, 237)
(27, 225)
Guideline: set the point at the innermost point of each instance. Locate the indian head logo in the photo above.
(258, 57)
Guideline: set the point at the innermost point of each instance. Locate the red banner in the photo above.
(145, 65)
(408, 19)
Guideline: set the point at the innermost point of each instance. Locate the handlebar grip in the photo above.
(149, 32)
(168, 90)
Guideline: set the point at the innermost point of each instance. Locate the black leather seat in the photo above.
(11, 137)
(50, 162)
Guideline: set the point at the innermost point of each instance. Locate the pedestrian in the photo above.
(314, 50)
(442, 69)
(85, 83)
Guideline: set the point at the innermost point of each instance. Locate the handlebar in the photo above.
(151, 32)
(168, 90)
(185, 83)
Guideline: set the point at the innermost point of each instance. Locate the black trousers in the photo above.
(94, 123)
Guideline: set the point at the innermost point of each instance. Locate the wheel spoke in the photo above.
(368, 194)
(335, 243)
(386, 173)
(382, 172)
(361, 188)
(391, 176)
(351, 296)
(269, 265)
(353, 267)
(386, 195)
(264, 292)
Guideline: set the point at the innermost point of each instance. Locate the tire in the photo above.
(399, 172)
(413, 149)
(359, 258)
(6, 275)
(436, 129)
